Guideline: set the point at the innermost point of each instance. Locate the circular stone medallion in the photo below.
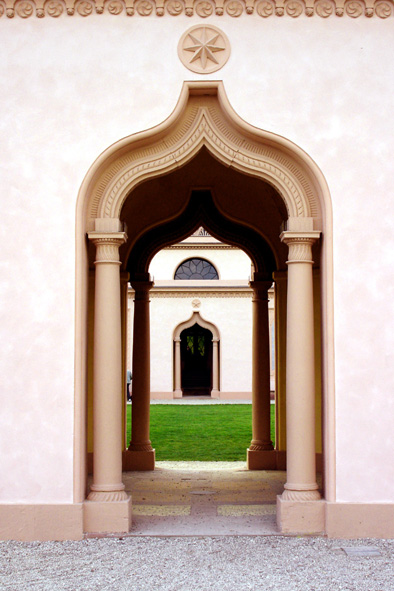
(204, 49)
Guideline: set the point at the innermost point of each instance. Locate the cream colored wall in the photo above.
(230, 264)
(74, 86)
(232, 316)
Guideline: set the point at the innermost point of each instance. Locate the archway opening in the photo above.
(196, 361)
(269, 198)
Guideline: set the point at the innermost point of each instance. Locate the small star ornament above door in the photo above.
(204, 49)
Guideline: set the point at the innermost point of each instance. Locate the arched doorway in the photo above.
(196, 361)
(291, 189)
(196, 357)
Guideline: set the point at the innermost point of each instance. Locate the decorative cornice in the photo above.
(200, 8)
(165, 292)
(201, 294)
(193, 246)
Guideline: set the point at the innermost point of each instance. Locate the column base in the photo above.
(300, 517)
(260, 459)
(142, 461)
(178, 393)
(107, 517)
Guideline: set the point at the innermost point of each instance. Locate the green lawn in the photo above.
(217, 432)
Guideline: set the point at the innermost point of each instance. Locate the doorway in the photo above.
(196, 361)
(269, 198)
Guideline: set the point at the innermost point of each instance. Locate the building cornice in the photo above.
(198, 8)
(206, 294)
(201, 292)
(194, 246)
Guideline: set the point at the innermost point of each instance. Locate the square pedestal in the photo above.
(138, 460)
(260, 460)
(107, 517)
(300, 517)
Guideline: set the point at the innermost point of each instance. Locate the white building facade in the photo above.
(225, 303)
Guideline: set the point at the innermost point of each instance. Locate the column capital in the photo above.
(116, 238)
(107, 245)
(260, 289)
(177, 339)
(141, 289)
(300, 245)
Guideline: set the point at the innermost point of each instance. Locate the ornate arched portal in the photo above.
(214, 363)
(203, 124)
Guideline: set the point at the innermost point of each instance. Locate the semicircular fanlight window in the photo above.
(196, 269)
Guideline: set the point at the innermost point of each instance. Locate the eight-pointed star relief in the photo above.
(204, 49)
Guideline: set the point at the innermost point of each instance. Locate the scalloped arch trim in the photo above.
(204, 117)
(196, 318)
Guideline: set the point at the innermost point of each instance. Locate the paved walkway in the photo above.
(204, 498)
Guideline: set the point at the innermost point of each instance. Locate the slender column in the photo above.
(280, 278)
(261, 410)
(140, 442)
(300, 370)
(124, 280)
(215, 366)
(177, 368)
(107, 381)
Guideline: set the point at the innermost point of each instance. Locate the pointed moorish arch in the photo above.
(203, 117)
(196, 318)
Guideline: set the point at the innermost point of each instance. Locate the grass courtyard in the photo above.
(211, 432)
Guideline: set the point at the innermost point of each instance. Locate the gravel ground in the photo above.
(191, 563)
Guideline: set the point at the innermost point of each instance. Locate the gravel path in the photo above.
(191, 563)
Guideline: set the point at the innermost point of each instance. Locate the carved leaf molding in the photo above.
(200, 8)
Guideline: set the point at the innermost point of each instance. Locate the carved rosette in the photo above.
(200, 8)
(204, 48)
(383, 9)
(294, 8)
(107, 246)
(324, 8)
(265, 8)
(175, 7)
(354, 8)
(300, 246)
(24, 9)
(204, 8)
(54, 8)
(144, 7)
(196, 304)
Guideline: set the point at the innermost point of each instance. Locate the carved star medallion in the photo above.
(204, 49)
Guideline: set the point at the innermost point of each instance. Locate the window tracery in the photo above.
(196, 269)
